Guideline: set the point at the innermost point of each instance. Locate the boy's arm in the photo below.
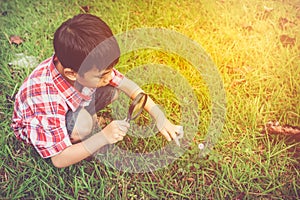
(112, 133)
(77, 152)
(163, 124)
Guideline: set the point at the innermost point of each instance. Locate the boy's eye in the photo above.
(103, 75)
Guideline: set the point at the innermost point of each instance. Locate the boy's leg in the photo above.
(79, 124)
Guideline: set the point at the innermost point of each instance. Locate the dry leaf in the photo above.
(276, 129)
(289, 134)
(14, 39)
(287, 40)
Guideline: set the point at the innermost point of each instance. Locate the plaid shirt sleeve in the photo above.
(42, 125)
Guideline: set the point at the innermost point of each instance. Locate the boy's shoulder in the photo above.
(38, 80)
(42, 70)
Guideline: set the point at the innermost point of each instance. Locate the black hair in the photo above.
(85, 41)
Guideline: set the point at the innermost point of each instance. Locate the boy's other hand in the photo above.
(115, 131)
(170, 130)
(165, 127)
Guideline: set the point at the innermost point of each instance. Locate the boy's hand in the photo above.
(115, 131)
(168, 129)
(164, 126)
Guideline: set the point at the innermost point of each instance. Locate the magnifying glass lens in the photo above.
(137, 106)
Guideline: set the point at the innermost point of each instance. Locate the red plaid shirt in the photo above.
(41, 105)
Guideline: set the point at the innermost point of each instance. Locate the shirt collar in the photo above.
(71, 95)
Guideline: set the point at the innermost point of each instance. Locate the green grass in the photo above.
(261, 80)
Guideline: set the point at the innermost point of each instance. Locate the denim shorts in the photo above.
(102, 97)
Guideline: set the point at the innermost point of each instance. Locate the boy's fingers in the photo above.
(173, 134)
(122, 133)
(120, 138)
(179, 131)
(123, 123)
(165, 133)
(123, 126)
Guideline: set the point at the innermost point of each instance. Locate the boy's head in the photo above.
(84, 43)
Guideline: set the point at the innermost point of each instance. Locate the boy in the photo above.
(55, 108)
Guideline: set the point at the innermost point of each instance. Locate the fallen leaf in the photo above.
(276, 129)
(287, 133)
(85, 9)
(14, 39)
(287, 40)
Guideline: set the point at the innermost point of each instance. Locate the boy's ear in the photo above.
(70, 74)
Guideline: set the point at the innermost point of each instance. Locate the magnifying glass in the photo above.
(136, 107)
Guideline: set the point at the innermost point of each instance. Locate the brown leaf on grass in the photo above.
(85, 9)
(287, 40)
(290, 135)
(275, 129)
(14, 39)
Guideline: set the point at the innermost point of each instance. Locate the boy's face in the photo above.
(95, 78)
